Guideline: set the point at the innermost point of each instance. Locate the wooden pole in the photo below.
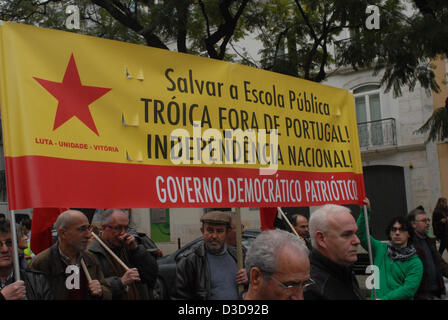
(289, 223)
(239, 247)
(86, 272)
(110, 251)
(15, 249)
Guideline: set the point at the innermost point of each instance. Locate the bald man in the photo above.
(335, 246)
(62, 262)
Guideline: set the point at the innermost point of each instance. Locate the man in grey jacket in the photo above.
(137, 282)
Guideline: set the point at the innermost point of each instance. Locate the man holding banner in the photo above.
(137, 281)
(33, 285)
(209, 271)
(400, 268)
(61, 263)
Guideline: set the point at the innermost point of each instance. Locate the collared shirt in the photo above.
(10, 279)
(66, 260)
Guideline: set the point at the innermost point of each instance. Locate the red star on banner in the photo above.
(74, 97)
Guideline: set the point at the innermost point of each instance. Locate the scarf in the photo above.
(400, 253)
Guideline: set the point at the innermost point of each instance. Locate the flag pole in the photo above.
(239, 247)
(12, 221)
(369, 246)
(86, 272)
(110, 251)
(289, 223)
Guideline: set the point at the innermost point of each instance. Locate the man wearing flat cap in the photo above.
(209, 270)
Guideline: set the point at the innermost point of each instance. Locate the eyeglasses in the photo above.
(7, 243)
(393, 229)
(118, 228)
(84, 228)
(424, 220)
(292, 285)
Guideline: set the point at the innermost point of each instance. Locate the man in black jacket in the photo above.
(137, 282)
(209, 271)
(333, 237)
(32, 286)
(432, 285)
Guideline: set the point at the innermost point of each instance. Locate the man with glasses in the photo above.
(400, 269)
(32, 286)
(137, 282)
(278, 267)
(434, 267)
(65, 262)
(335, 246)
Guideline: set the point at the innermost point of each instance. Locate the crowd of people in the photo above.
(315, 262)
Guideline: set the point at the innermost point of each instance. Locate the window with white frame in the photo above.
(368, 114)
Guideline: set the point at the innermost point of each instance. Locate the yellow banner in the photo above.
(163, 129)
(92, 99)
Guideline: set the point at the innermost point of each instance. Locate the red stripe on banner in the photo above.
(36, 181)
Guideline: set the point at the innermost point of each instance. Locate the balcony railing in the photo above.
(377, 133)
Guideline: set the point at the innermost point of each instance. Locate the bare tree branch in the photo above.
(122, 14)
(225, 30)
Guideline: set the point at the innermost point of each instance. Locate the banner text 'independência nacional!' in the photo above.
(97, 123)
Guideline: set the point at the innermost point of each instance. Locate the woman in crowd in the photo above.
(439, 225)
(400, 268)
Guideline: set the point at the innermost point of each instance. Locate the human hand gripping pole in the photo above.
(130, 275)
(86, 272)
(94, 285)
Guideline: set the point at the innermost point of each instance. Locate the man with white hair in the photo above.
(279, 268)
(138, 281)
(333, 237)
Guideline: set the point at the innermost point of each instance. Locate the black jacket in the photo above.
(439, 228)
(332, 281)
(140, 258)
(36, 285)
(441, 269)
(193, 274)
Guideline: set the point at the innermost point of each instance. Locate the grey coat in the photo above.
(140, 259)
